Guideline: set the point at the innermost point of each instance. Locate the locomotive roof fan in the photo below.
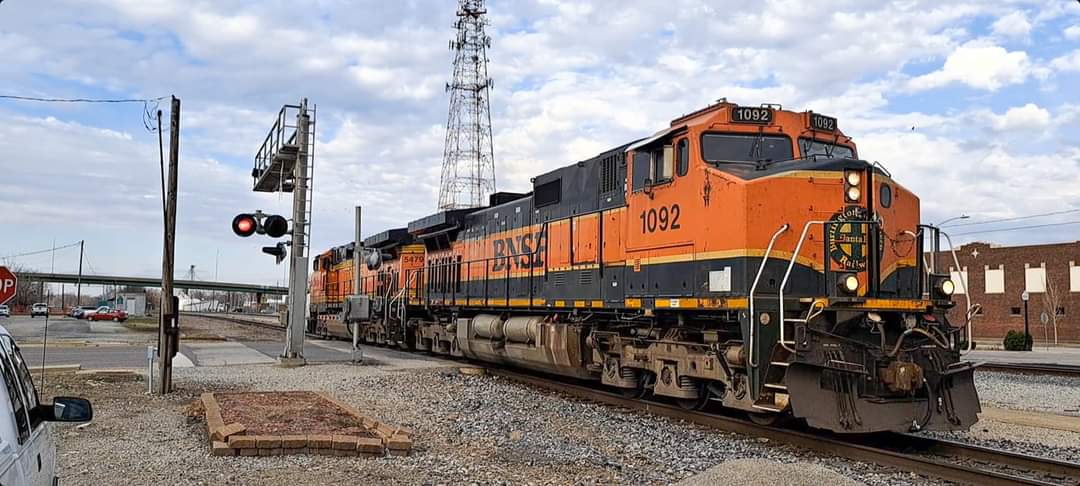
(374, 258)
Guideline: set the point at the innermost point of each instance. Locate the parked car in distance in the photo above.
(39, 309)
(108, 314)
(5, 311)
(29, 452)
(84, 311)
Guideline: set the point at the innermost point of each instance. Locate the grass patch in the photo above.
(142, 323)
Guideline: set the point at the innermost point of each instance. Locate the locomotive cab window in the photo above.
(682, 157)
(815, 147)
(642, 162)
(723, 147)
(662, 162)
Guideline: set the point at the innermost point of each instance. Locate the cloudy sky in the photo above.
(973, 104)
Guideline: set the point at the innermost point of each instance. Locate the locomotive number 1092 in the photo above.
(662, 219)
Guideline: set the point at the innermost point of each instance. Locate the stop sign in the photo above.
(8, 283)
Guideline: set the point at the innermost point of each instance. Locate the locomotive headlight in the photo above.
(943, 286)
(853, 194)
(849, 283)
(947, 287)
(853, 178)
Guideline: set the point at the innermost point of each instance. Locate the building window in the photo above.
(1074, 278)
(1060, 311)
(995, 280)
(1015, 311)
(1035, 279)
(960, 279)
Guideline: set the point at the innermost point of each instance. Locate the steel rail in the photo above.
(1056, 369)
(830, 444)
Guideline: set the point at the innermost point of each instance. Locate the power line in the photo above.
(81, 100)
(1017, 218)
(38, 252)
(1016, 228)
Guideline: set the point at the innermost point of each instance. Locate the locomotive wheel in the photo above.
(638, 392)
(767, 419)
(698, 403)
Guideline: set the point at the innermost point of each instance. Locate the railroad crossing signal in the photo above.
(9, 283)
(272, 225)
(245, 225)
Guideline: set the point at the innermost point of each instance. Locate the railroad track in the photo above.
(1033, 368)
(248, 320)
(937, 458)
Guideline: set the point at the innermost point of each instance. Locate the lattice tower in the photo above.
(468, 172)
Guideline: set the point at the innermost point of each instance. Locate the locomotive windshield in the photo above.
(719, 148)
(814, 147)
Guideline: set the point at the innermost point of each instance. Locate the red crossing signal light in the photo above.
(245, 225)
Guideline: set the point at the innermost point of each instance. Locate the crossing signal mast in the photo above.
(468, 172)
(285, 162)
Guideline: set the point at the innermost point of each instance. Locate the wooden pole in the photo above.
(168, 329)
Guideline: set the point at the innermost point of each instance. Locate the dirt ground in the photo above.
(288, 413)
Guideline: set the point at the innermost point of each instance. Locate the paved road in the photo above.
(26, 329)
(90, 357)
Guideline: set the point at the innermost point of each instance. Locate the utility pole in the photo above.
(169, 331)
(358, 259)
(293, 354)
(78, 281)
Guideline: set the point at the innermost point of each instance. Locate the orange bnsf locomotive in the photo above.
(743, 256)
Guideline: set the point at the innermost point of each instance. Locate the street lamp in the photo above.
(962, 216)
(1027, 344)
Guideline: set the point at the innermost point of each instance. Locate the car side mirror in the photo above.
(69, 409)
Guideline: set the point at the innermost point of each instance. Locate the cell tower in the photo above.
(468, 172)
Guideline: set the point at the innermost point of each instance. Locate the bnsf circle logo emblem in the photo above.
(847, 241)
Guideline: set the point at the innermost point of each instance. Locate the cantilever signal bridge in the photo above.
(151, 282)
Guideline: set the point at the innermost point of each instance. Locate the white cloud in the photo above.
(1072, 32)
(1014, 24)
(1029, 117)
(978, 65)
(1068, 62)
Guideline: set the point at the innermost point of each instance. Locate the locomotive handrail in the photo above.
(963, 287)
(783, 283)
(751, 356)
(791, 265)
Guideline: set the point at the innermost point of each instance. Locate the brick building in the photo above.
(997, 276)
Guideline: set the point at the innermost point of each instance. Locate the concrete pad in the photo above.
(181, 361)
(1030, 418)
(223, 354)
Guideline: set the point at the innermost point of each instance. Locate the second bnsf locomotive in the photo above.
(742, 255)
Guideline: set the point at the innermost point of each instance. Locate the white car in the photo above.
(27, 444)
(39, 310)
(4, 311)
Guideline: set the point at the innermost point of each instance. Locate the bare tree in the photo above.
(1051, 302)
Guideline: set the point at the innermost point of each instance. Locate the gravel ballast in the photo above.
(1044, 394)
(468, 430)
(1040, 393)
